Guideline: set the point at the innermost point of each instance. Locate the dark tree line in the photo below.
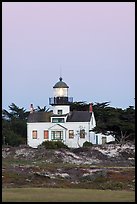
(119, 122)
(14, 125)
(14, 128)
(110, 120)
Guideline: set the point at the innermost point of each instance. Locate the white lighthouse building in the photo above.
(73, 128)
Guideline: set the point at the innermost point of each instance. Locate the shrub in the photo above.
(87, 144)
(13, 139)
(54, 145)
(112, 142)
(112, 185)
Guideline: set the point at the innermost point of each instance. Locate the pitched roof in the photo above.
(74, 116)
(79, 116)
(39, 117)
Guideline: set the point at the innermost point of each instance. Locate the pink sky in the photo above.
(93, 43)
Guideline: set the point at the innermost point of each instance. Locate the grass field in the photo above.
(65, 195)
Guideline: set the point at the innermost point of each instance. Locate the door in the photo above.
(96, 139)
(104, 140)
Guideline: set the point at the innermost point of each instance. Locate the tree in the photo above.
(15, 113)
(115, 121)
(14, 126)
(120, 123)
(79, 106)
(44, 109)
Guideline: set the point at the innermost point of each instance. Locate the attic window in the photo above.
(57, 120)
(82, 133)
(59, 112)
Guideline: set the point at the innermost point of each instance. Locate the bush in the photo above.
(87, 144)
(112, 142)
(54, 145)
(14, 139)
(112, 185)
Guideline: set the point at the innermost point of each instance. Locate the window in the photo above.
(56, 135)
(57, 120)
(59, 112)
(54, 120)
(71, 133)
(34, 134)
(46, 134)
(82, 133)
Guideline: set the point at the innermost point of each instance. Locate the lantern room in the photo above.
(60, 89)
(60, 92)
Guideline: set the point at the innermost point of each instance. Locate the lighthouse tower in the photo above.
(60, 100)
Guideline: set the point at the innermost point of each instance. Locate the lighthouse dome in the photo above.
(60, 84)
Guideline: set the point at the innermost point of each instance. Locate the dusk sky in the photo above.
(90, 44)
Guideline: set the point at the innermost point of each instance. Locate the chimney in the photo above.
(90, 108)
(31, 108)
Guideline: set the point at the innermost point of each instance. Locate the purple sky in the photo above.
(93, 44)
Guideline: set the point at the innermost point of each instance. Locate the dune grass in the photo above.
(65, 195)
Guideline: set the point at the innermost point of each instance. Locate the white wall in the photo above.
(76, 126)
(93, 121)
(65, 109)
(77, 141)
(110, 138)
(92, 137)
(40, 127)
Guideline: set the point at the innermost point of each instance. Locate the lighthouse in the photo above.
(73, 128)
(60, 100)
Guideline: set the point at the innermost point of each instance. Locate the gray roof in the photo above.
(79, 116)
(60, 84)
(39, 117)
(74, 116)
